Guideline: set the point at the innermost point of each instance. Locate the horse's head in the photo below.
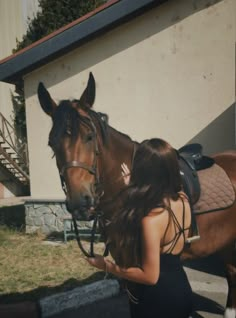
(74, 138)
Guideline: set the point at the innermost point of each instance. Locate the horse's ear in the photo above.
(47, 103)
(88, 97)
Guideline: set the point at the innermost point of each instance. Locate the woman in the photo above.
(152, 227)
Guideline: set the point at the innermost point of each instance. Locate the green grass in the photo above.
(31, 269)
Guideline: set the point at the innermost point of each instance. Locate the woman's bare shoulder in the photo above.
(155, 223)
(156, 216)
(156, 211)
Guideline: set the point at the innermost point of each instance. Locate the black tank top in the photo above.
(179, 230)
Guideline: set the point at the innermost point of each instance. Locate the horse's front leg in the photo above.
(229, 257)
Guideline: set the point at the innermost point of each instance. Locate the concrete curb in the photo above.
(79, 296)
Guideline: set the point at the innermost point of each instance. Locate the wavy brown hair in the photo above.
(155, 179)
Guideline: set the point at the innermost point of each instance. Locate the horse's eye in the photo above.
(89, 137)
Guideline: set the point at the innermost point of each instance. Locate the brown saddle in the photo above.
(217, 192)
(206, 184)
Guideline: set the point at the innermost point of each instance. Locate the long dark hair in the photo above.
(155, 179)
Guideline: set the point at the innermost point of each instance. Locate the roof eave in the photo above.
(14, 68)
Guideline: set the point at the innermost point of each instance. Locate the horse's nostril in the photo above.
(87, 199)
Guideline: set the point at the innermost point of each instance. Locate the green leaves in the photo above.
(54, 14)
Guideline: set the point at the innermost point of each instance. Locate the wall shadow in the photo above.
(221, 129)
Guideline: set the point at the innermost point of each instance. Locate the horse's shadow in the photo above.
(210, 265)
(45, 291)
(204, 304)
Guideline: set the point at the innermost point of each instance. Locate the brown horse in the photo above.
(89, 154)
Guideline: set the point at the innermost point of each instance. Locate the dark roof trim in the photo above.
(104, 18)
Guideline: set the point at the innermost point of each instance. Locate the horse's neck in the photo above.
(120, 148)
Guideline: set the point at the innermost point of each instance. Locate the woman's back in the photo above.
(177, 230)
(173, 221)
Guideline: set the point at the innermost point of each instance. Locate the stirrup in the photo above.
(195, 235)
(192, 239)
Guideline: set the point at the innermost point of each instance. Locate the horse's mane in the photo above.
(66, 119)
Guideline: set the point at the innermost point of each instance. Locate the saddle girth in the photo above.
(191, 160)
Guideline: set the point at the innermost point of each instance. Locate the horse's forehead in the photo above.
(74, 104)
(79, 109)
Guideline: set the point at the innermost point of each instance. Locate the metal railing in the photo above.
(13, 149)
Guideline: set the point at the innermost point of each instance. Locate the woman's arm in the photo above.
(149, 273)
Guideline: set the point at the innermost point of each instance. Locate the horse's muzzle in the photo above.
(82, 210)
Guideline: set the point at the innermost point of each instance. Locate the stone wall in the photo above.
(45, 216)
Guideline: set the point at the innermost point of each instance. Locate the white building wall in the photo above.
(13, 24)
(169, 73)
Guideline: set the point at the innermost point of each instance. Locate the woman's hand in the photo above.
(97, 261)
(125, 173)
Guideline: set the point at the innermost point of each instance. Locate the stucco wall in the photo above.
(169, 73)
(13, 24)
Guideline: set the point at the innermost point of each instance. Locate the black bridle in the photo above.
(93, 169)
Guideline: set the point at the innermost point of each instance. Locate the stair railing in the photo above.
(8, 136)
